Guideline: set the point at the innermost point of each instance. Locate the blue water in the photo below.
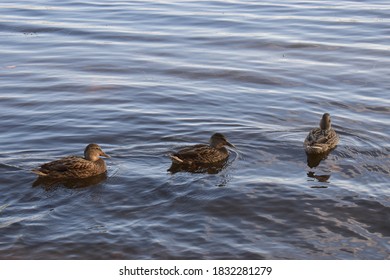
(144, 78)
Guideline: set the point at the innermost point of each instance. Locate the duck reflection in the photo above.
(319, 178)
(313, 160)
(49, 183)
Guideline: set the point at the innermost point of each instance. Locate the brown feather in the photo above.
(317, 141)
(201, 154)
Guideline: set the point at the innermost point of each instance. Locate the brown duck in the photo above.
(74, 167)
(321, 139)
(203, 153)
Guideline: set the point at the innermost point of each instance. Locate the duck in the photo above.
(322, 139)
(76, 167)
(200, 154)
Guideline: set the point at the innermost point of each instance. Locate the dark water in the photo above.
(145, 78)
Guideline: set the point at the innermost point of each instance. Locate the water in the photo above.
(144, 78)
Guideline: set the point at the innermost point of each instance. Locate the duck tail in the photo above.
(38, 172)
(314, 149)
(176, 159)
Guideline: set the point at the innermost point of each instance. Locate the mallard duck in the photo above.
(74, 167)
(321, 139)
(203, 153)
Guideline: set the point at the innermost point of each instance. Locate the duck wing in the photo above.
(199, 154)
(315, 136)
(71, 166)
(318, 142)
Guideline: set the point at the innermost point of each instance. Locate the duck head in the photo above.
(218, 140)
(325, 123)
(93, 152)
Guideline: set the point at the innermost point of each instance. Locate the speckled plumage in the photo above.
(203, 153)
(73, 167)
(321, 139)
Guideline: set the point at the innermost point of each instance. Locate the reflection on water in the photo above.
(50, 183)
(319, 178)
(313, 160)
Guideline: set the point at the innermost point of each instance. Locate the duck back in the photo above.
(72, 167)
(317, 142)
(200, 154)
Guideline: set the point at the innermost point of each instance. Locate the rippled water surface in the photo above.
(144, 78)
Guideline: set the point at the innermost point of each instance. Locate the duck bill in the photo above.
(230, 144)
(103, 154)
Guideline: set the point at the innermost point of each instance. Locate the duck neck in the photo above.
(216, 145)
(91, 157)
